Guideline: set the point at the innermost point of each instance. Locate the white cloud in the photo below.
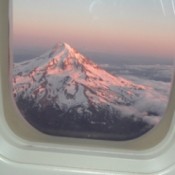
(151, 103)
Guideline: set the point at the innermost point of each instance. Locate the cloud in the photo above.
(151, 103)
(150, 72)
(152, 120)
(150, 106)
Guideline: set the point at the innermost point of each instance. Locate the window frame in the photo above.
(24, 144)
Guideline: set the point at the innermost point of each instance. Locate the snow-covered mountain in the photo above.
(66, 82)
(66, 78)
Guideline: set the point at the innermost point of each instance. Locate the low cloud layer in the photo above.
(151, 103)
(151, 72)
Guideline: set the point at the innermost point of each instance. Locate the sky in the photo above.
(138, 30)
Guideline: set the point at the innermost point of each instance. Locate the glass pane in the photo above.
(98, 69)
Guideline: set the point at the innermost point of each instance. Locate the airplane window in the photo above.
(97, 69)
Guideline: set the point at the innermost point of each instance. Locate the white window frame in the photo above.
(24, 150)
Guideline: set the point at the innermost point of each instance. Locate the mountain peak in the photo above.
(61, 47)
(66, 46)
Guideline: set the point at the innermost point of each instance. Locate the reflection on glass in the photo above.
(113, 86)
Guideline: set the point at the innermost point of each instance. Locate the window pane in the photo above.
(98, 69)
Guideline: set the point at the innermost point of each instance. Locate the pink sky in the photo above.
(94, 30)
